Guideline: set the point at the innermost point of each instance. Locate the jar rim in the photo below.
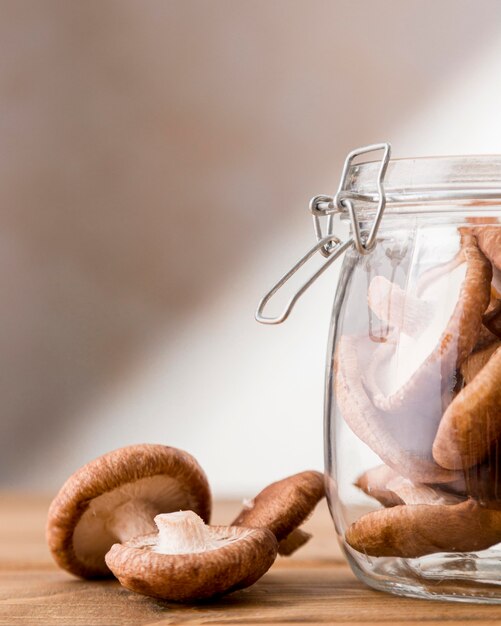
(427, 179)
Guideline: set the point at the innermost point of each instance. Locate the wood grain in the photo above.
(313, 586)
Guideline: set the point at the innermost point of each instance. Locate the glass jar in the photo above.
(413, 381)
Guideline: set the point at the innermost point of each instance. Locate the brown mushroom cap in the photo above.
(116, 497)
(415, 530)
(472, 422)
(489, 241)
(283, 506)
(235, 558)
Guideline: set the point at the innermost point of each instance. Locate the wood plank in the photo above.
(328, 594)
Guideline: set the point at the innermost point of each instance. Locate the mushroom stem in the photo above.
(131, 519)
(182, 532)
(293, 542)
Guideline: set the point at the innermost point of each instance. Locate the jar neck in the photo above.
(432, 184)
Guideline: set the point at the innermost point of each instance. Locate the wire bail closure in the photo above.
(328, 244)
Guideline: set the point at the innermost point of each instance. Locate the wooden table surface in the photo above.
(313, 586)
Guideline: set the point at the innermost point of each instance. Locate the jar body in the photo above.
(413, 406)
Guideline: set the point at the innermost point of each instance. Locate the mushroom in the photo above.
(395, 438)
(485, 338)
(116, 497)
(476, 361)
(472, 422)
(495, 300)
(410, 531)
(396, 307)
(391, 489)
(187, 560)
(444, 348)
(481, 482)
(489, 241)
(436, 272)
(374, 483)
(492, 318)
(282, 507)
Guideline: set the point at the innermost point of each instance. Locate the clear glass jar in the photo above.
(413, 387)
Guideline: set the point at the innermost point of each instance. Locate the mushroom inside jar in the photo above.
(392, 390)
(426, 399)
(433, 328)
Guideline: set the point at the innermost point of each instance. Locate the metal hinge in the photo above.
(328, 244)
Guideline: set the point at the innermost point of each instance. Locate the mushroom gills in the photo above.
(397, 439)
(123, 513)
(417, 373)
(391, 489)
(401, 310)
(187, 560)
(115, 497)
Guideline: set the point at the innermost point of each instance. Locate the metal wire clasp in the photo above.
(342, 197)
(328, 244)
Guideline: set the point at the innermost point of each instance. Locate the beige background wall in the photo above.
(156, 159)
